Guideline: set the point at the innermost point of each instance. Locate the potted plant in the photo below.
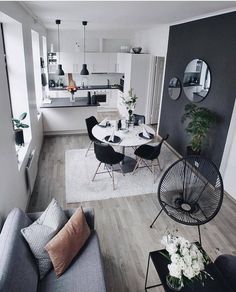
(19, 136)
(187, 262)
(199, 121)
(130, 101)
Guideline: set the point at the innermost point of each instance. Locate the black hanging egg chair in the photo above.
(191, 191)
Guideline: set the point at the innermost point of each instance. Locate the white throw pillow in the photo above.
(39, 233)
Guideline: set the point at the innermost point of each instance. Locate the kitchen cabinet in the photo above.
(112, 63)
(137, 72)
(124, 63)
(66, 120)
(96, 62)
(71, 62)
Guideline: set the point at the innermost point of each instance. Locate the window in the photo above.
(12, 35)
(37, 68)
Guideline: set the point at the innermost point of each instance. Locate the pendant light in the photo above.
(59, 71)
(84, 70)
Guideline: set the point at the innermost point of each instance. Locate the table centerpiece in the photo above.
(130, 101)
(187, 262)
(72, 90)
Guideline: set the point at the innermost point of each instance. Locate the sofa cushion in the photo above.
(84, 274)
(41, 232)
(88, 212)
(65, 245)
(227, 265)
(18, 270)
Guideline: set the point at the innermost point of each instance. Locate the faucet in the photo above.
(108, 82)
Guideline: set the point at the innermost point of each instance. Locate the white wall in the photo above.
(13, 190)
(153, 41)
(228, 163)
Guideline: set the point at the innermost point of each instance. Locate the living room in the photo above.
(53, 161)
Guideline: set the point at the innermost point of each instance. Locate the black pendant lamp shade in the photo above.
(84, 70)
(59, 71)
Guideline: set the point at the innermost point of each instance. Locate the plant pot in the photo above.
(190, 151)
(19, 137)
(173, 283)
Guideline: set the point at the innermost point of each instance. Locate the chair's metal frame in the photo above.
(203, 179)
(89, 148)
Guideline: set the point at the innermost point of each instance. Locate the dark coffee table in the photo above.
(160, 264)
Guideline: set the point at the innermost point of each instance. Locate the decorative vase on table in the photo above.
(186, 262)
(72, 88)
(130, 101)
(173, 283)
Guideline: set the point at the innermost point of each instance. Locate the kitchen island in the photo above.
(64, 117)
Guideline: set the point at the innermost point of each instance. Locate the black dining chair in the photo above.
(107, 155)
(138, 118)
(90, 123)
(150, 153)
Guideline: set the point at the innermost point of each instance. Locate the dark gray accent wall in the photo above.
(214, 41)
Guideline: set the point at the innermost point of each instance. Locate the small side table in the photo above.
(160, 263)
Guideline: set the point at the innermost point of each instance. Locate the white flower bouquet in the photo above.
(130, 101)
(187, 261)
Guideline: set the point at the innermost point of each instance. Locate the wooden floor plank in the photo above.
(123, 223)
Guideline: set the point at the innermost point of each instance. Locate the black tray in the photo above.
(150, 135)
(117, 139)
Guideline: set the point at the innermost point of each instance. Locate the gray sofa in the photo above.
(18, 270)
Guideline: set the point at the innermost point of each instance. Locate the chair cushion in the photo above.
(18, 270)
(68, 241)
(84, 274)
(41, 232)
(227, 266)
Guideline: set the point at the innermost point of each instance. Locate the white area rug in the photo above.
(79, 171)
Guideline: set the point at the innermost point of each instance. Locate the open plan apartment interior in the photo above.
(117, 146)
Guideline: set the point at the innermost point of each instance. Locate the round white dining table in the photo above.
(129, 138)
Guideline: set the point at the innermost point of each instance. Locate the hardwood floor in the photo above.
(123, 223)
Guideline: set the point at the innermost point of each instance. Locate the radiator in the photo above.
(32, 170)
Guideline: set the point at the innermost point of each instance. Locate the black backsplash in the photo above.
(213, 40)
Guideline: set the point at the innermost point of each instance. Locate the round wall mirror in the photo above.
(174, 88)
(197, 80)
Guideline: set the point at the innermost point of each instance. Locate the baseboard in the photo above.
(67, 132)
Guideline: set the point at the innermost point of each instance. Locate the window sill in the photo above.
(21, 154)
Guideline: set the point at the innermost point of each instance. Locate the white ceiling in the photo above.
(121, 15)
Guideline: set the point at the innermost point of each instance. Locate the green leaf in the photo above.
(22, 116)
(16, 121)
(24, 126)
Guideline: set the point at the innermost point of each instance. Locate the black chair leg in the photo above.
(199, 235)
(156, 218)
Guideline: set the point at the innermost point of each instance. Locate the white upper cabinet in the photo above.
(71, 62)
(112, 63)
(97, 62)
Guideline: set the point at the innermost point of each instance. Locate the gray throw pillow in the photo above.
(39, 233)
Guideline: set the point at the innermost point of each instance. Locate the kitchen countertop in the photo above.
(65, 103)
(91, 87)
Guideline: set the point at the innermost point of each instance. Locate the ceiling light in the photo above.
(84, 70)
(59, 71)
